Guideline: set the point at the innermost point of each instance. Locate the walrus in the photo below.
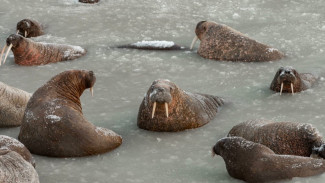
(89, 1)
(14, 168)
(13, 102)
(53, 122)
(288, 80)
(220, 42)
(29, 28)
(14, 145)
(28, 52)
(153, 45)
(166, 107)
(254, 162)
(288, 138)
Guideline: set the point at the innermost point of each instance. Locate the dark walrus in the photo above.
(54, 125)
(29, 28)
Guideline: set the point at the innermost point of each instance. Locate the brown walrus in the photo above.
(29, 28)
(13, 102)
(16, 162)
(89, 1)
(28, 52)
(282, 137)
(54, 125)
(221, 42)
(14, 145)
(153, 45)
(254, 162)
(166, 107)
(288, 80)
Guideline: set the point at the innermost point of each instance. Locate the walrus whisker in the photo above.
(281, 88)
(166, 106)
(25, 33)
(3, 50)
(10, 46)
(194, 41)
(292, 89)
(92, 91)
(153, 109)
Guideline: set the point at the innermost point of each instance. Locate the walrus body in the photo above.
(16, 162)
(54, 125)
(220, 42)
(13, 102)
(29, 28)
(282, 137)
(153, 45)
(254, 162)
(288, 80)
(28, 52)
(166, 107)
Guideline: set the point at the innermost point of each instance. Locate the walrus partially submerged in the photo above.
(54, 125)
(28, 52)
(29, 28)
(291, 138)
(221, 42)
(288, 80)
(13, 102)
(166, 107)
(153, 45)
(16, 162)
(254, 162)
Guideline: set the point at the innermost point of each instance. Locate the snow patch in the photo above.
(270, 50)
(53, 118)
(105, 132)
(9, 141)
(155, 44)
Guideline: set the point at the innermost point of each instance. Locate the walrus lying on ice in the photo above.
(16, 162)
(54, 125)
(29, 28)
(288, 80)
(300, 139)
(28, 52)
(166, 107)
(254, 162)
(221, 42)
(13, 102)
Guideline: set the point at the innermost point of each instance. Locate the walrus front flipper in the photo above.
(168, 108)
(153, 45)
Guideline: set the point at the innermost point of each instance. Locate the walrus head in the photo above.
(25, 27)
(160, 96)
(220, 145)
(13, 41)
(319, 151)
(200, 29)
(286, 79)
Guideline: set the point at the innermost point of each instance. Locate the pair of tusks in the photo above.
(92, 91)
(194, 41)
(282, 88)
(4, 48)
(154, 109)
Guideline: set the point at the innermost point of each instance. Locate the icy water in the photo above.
(296, 27)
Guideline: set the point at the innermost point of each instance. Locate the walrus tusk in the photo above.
(281, 88)
(25, 33)
(166, 107)
(3, 50)
(17, 32)
(92, 91)
(292, 89)
(194, 41)
(153, 110)
(10, 46)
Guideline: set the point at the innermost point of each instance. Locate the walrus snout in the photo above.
(24, 27)
(219, 146)
(319, 151)
(13, 39)
(200, 28)
(90, 81)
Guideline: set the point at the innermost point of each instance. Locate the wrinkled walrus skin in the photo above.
(220, 42)
(29, 28)
(288, 76)
(28, 52)
(54, 125)
(14, 145)
(16, 162)
(254, 162)
(175, 110)
(13, 102)
(282, 137)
